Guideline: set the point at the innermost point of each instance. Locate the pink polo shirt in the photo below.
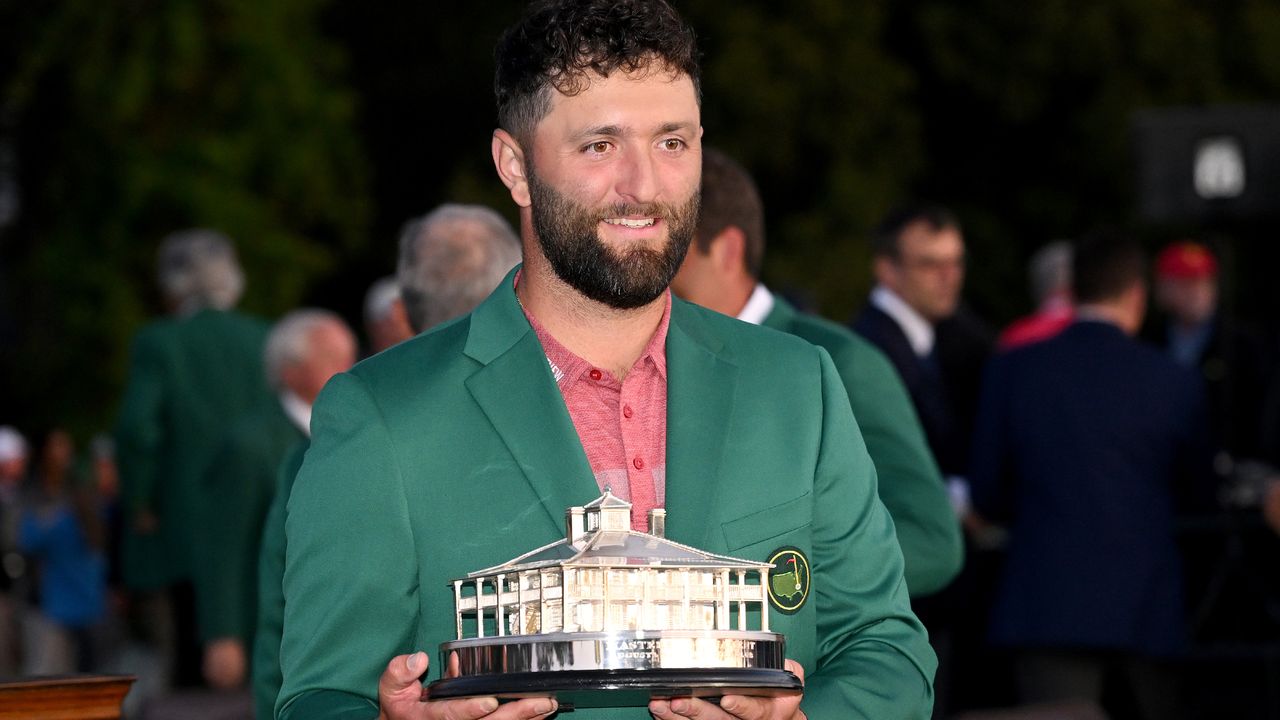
(622, 425)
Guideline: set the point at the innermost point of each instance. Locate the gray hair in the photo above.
(12, 444)
(290, 341)
(198, 269)
(451, 259)
(380, 298)
(1050, 269)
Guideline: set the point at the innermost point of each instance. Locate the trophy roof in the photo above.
(619, 549)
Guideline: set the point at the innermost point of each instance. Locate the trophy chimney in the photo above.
(658, 522)
(575, 528)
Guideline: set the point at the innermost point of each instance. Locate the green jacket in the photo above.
(265, 666)
(910, 482)
(241, 482)
(454, 451)
(189, 378)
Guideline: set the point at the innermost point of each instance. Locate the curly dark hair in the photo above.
(558, 42)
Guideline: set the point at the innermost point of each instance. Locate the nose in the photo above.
(637, 180)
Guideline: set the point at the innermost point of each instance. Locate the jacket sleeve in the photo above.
(239, 482)
(266, 639)
(351, 575)
(140, 427)
(910, 483)
(874, 659)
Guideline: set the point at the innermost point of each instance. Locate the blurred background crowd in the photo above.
(311, 136)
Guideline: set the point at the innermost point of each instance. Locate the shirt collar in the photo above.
(758, 306)
(918, 330)
(568, 367)
(297, 410)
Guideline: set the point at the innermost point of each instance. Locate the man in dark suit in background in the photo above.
(1080, 445)
(1229, 357)
(914, 316)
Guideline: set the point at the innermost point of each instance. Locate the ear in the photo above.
(729, 250)
(885, 271)
(508, 158)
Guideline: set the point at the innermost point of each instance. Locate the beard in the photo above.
(569, 238)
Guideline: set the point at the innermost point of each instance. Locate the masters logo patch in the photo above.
(789, 581)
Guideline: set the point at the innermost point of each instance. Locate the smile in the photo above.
(630, 223)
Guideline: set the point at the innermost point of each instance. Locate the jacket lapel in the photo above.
(701, 381)
(516, 391)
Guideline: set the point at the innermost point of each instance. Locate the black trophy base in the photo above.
(618, 688)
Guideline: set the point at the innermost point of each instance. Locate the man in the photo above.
(469, 443)
(1081, 443)
(191, 375)
(449, 260)
(1230, 360)
(1050, 271)
(722, 272)
(385, 323)
(304, 349)
(914, 317)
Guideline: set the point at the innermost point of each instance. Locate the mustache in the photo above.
(658, 210)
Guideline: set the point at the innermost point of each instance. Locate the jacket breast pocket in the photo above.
(779, 525)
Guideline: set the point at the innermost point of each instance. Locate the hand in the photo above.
(400, 697)
(734, 706)
(224, 664)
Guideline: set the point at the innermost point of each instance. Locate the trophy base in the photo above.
(618, 687)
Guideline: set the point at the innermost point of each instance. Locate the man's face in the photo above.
(332, 349)
(613, 185)
(1189, 301)
(929, 271)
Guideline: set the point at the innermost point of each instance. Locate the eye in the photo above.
(598, 147)
(673, 144)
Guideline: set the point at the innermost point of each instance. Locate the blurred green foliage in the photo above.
(134, 119)
(310, 130)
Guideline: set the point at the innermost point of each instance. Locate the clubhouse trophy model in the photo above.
(609, 616)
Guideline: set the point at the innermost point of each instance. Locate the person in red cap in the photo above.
(1197, 335)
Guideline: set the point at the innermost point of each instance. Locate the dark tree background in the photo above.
(310, 130)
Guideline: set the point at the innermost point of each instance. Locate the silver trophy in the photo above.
(610, 616)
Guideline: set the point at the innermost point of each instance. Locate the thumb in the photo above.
(402, 672)
(796, 669)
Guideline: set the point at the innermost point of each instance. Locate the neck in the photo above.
(1113, 313)
(737, 295)
(604, 336)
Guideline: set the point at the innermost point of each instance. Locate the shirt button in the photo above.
(639, 463)
(595, 374)
(626, 411)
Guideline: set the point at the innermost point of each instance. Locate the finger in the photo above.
(526, 709)
(748, 708)
(687, 709)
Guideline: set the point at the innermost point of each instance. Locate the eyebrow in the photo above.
(620, 130)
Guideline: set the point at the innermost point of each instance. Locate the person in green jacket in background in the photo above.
(449, 260)
(191, 374)
(305, 349)
(722, 272)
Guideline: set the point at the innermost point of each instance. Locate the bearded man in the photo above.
(464, 446)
